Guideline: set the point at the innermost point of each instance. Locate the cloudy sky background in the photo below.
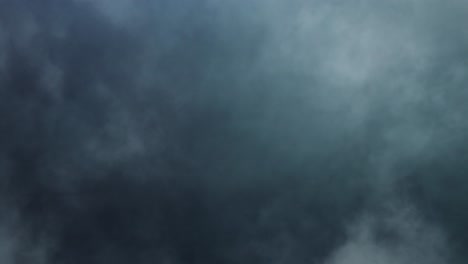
(222, 131)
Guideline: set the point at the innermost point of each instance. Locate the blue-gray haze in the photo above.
(234, 131)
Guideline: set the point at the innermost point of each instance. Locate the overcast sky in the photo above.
(234, 131)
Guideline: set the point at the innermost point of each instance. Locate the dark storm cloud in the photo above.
(233, 131)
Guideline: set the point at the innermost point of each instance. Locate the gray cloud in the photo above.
(233, 131)
(399, 237)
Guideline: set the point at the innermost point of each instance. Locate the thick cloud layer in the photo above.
(212, 131)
